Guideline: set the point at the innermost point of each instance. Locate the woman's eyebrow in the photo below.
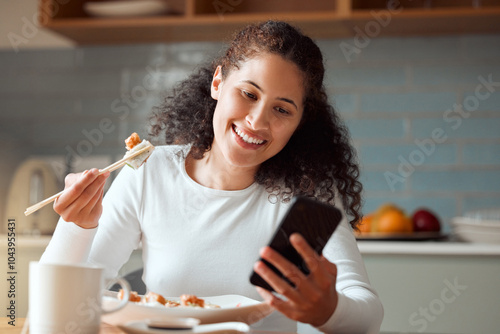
(289, 101)
(279, 98)
(253, 84)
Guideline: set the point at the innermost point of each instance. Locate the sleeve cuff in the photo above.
(69, 244)
(339, 314)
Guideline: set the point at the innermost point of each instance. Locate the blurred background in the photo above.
(71, 105)
(416, 81)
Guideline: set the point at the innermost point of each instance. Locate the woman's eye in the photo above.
(282, 111)
(250, 95)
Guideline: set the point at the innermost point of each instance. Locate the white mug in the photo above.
(66, 298)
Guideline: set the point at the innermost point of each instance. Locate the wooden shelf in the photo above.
(201, 20)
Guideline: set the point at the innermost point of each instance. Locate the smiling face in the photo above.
(259, 106)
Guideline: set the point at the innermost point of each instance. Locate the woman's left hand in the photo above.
(314, 298)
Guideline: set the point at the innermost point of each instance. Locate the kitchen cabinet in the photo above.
(190, 20)
(435, 287)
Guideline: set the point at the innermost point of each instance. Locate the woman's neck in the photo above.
(216, 174)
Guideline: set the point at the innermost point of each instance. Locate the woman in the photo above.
(243, 136)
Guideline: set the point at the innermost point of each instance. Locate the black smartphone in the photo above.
(314, 220)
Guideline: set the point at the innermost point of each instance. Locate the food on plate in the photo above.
(389, 218)
(134, 144)
(133, 297)
(172, 303)
(152, 297)
(192, 300)
(155, 299)
(425, 220)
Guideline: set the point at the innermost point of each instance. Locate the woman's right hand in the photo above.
(81, 201)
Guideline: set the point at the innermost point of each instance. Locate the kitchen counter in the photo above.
(452, 248)
(365, 247)
(424, 285)
(27, 241)
(435, 286)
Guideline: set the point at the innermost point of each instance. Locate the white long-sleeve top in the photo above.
(203, 241)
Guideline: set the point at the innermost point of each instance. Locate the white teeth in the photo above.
(246, 138)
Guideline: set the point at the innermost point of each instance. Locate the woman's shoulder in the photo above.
(168, 154)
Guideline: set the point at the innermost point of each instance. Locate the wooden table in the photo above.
(5, 328)
(18, 328)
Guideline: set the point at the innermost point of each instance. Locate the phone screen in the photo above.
(314, 220)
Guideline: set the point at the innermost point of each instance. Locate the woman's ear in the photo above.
(216, 86)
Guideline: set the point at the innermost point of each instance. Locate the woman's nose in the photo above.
(258, 118)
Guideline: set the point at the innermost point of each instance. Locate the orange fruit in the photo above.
(387, 207)
(365, 225)
(391, 219)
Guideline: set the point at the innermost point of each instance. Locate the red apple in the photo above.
(425, 221)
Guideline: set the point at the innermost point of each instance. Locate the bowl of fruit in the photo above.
(390, 222)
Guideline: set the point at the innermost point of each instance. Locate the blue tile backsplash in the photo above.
(424, 112)
(407, 102)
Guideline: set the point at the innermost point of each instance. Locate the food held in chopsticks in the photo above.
(138, 152)
(155, 299)
(135, 144)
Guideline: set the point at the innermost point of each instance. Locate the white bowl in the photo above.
(126, 8)
(484, 216)
(472, 222)
(473, 230)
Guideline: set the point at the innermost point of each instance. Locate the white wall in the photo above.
(19, 28)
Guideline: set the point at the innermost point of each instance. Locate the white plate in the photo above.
(172, 323)
(466, 221)
(478, 236)
(126, 8)
(473, 231)
(232, 308)
(485, 216)
(140, 327)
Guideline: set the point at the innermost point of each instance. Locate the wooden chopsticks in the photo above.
(110, 168)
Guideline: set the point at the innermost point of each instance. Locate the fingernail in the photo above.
(259, 266)
(262, 251)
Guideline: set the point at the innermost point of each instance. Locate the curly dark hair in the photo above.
(318, 161)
